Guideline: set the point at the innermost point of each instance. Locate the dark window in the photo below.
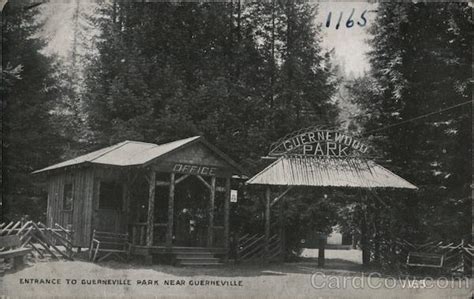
(67, 197)
(110, 195)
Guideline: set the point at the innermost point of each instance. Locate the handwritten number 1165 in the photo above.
(350, 22)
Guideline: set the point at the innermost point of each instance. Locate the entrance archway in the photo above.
(320, 158)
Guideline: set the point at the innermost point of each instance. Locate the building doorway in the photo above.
(191, 212)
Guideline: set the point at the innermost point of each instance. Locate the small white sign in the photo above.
(233, 195)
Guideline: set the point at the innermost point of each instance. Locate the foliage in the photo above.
(421, 63)
(30, 137)
(222, 70)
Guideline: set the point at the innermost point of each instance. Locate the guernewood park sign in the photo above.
(319, 143)
(325, 158)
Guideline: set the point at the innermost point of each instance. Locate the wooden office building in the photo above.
(168, 196)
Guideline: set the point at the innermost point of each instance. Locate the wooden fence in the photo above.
(253, 247)
(456, 256)
(54, 242)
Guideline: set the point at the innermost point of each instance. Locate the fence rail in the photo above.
(53, 241)
(457, 256)
(251, 247)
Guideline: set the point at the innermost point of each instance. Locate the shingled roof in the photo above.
(328, 172)
(135, 153)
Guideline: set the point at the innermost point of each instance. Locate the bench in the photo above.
(12, 250)
(111, 244)
(424, 259)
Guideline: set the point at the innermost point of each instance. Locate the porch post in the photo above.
(226, 215)
(169, 227)
(282, 232)
(321, 248)
(363, 234)
(151, 208)
(210, 227)
(126, 204)
(267, 222)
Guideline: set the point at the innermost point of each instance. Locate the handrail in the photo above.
(157, 224)
(250, 239)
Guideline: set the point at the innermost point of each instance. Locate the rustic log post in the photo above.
(282, 232)
(321, 249)
(151, 208)
(134, 234)
(364, 242)
(210, 228)
(169, 227)
(226, 216)
(126, 203)
(267, 222)
(466, 259)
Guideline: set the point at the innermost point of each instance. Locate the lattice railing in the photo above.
(457, 256)
(53, 241)
(253, 246)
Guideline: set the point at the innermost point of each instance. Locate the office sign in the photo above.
(195, 169)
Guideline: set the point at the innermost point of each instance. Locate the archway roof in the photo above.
(328, 172)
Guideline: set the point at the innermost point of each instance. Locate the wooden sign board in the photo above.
(233, 195)
(197, 159)
(195, 169)
(319, 143)
(192, 169)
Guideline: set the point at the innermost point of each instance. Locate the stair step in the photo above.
(200, 263)
(197, 259)
(190, 250)
(194, 255)
(197, 249)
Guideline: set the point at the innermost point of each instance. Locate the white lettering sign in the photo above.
(233, 195)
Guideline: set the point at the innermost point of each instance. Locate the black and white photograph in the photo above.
(236, 149)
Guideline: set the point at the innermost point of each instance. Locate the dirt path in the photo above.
(257, 281)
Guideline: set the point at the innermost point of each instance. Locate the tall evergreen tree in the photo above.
(170, 70)
(29, 138)
(421, 63)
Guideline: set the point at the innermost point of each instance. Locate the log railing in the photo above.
(139, 232)
(253, 246)
(55, 241)
(457, 256)
(218, 236)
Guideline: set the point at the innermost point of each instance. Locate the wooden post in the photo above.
(281, 218)
(126, 203)
(364, 242)
(267, 222)
(321, 248)
(210, 228)
(226, 216)
(151, 209)
(169, 227)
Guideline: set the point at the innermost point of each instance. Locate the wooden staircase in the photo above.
(195, 256)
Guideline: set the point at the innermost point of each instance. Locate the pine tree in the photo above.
(421, 64)
(30, 138)
(170, 70)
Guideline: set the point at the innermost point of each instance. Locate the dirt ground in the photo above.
(341, 278)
